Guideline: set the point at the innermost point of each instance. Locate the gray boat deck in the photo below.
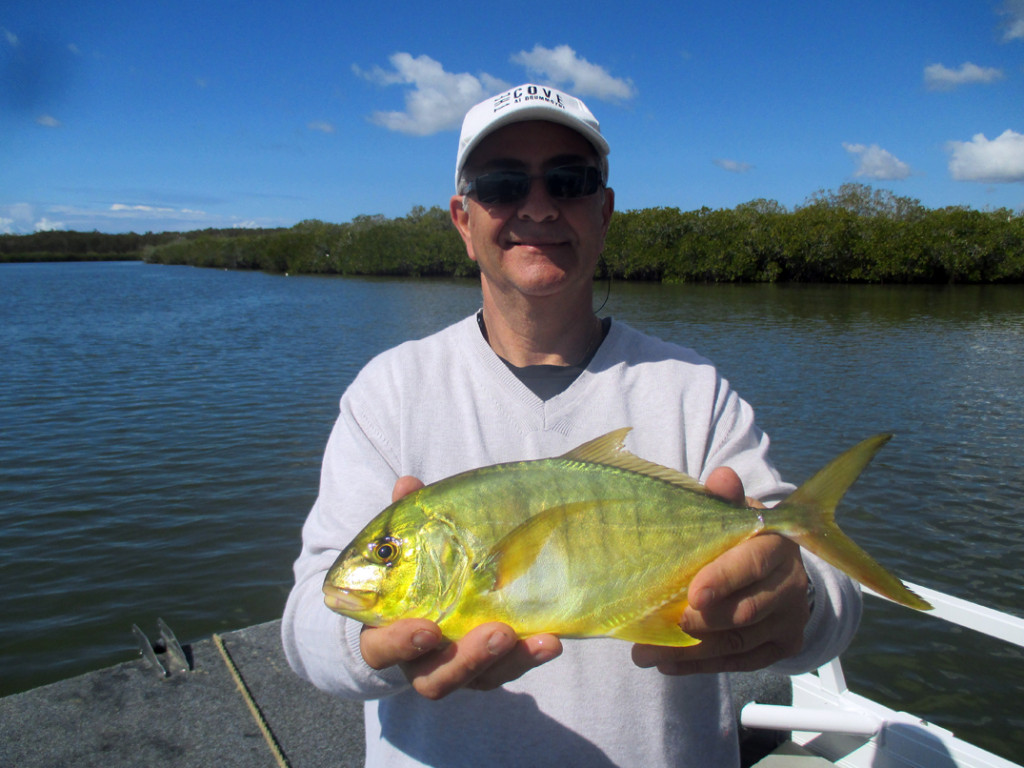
(129, 715)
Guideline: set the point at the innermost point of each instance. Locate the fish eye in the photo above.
(385, 551)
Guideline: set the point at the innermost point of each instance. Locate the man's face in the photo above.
(539, 246)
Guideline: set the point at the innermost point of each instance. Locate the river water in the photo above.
(161, 430)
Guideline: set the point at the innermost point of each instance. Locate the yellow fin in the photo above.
(608, 450)
(511, 557)
(807, 516)
(659, 627)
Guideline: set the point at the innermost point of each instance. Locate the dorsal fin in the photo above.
(608, 450)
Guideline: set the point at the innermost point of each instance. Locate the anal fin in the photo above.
(658, 627)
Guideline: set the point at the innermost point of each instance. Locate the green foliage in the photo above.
(422, 243)
(73, 246)
(853, 234)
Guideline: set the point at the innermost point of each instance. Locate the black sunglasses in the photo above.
(566, 182)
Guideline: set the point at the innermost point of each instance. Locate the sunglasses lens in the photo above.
(572, 181)
(567, 182)
(501, 187)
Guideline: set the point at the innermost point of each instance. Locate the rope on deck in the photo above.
(257, 715)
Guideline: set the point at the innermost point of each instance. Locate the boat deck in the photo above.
(242, 706)
(130, 715)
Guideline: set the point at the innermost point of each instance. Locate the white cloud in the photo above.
(159, 215)
(12, 39)
(565, 68)
(321, 125)
(144, 208)
(123, 211)
(733, 166)
(381, 76)
(940, 78)
(16, 218)
(438, 100)
(48, 121)
(1013, 26)
(1000, 160)
(23, 218)
(877, 163)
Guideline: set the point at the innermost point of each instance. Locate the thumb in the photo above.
(404, 485)
(726, 484)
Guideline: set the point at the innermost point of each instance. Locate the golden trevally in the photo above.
(597, 542)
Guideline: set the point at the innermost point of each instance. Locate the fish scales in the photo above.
(618, 541)
(594, 543)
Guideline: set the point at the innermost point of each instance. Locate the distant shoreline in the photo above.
(854, 235)
(55, 258)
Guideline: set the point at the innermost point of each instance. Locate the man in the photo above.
(532, 375)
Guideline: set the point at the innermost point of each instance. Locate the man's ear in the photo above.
(607, 210)
(460, 218)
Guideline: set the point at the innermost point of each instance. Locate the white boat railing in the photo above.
(855, 732)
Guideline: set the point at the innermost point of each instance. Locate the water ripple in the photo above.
(162, 429)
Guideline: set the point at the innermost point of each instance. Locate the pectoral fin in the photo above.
(511, 557)
(659, 627)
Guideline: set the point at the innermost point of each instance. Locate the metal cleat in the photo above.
(176, 660)
(167, 657)
(146, 649)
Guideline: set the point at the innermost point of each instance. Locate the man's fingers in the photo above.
(748, 607)
(735, 646)
(404, 640)
(747, 563)
(527, 654)
(731, 641)
(459, 664)
(757, 657)
(487, 657)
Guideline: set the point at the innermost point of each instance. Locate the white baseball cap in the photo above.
(528, 102)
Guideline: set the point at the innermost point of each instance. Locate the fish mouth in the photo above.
(344, 599)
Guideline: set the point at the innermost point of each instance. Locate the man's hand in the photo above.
(748, 607)
(487, 657)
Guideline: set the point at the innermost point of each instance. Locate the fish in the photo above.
(597, 542)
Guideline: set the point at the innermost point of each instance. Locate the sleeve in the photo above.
(357, 478)
(737, 442)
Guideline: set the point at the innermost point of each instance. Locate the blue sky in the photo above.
(154, 116)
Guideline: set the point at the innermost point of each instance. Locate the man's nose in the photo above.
(538, 205)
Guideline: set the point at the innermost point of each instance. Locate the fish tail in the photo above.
(807, 517)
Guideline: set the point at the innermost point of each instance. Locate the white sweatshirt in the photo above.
(447, 403)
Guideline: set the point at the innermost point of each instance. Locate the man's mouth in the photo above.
(536, 243)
